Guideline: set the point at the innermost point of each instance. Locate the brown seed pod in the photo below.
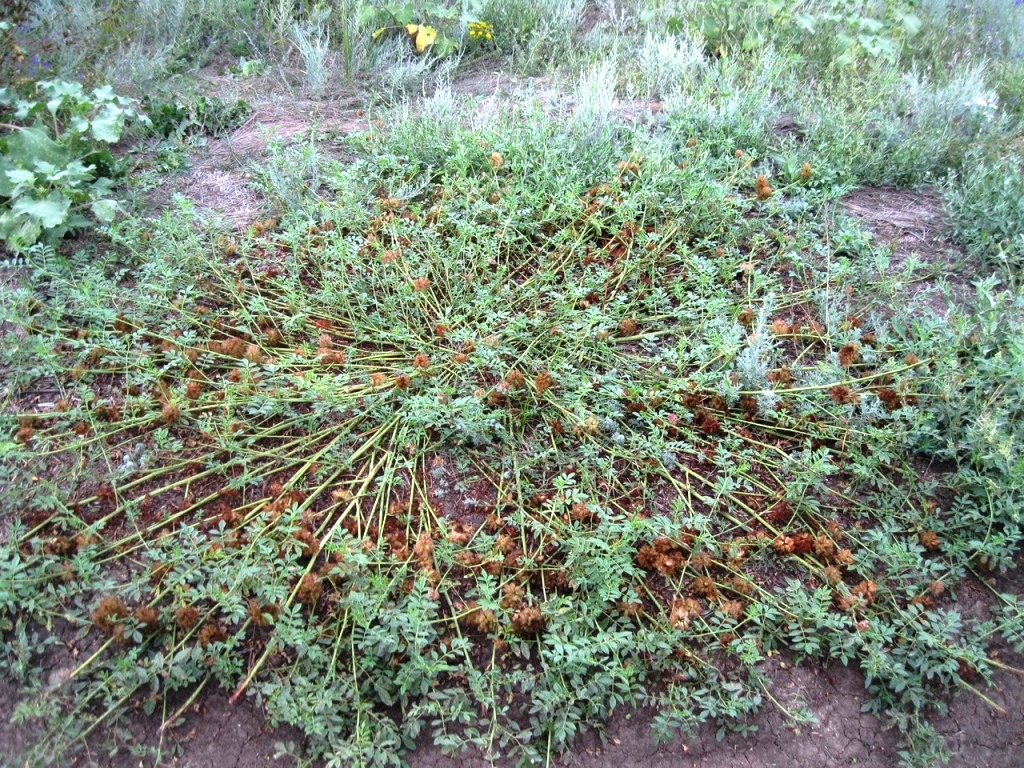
(527, 621)
(211, 633)
(232, 347)
(187, 617)
(310, 589)
(108, 614)
(683, 611)
(628, 327)
(148, 617)
(848, 354)
(543, 382)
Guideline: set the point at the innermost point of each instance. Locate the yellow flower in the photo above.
(422, 34)
(481, 30)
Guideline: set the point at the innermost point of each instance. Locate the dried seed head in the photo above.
(528, 621)
(848, 354)
(763, 187)
(832, 575)
(421, 361)
(310, 543)
(842, 395)
(889, 398)
(705, 586)
(824, 547)
(187, 617)
(628, 327)
(480, 619)
(309, 590)
(262, 615)
(684, 611)
(211, 633)
(108, 614)
(867, 590)
(232, 347)
(732, 608)
(170, 413)
(631, 610)
(543, 382)
(148, 617)
(421, 283)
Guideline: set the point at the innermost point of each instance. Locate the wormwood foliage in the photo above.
(500, 431)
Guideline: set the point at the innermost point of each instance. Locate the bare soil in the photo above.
(912, 224)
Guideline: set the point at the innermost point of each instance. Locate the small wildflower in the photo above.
(421, 361)
(496, 160)
(421, 284)
(763, 187)
(481, 30)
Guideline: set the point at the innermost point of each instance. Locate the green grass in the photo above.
(520, 418)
